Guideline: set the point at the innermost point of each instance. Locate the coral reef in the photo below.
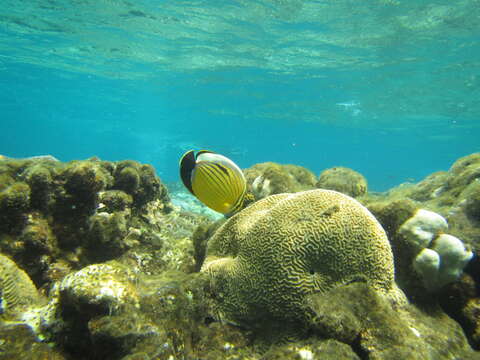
(434, 233)
(304, 275)
(344, 180)
(264, 260)
(74, 213)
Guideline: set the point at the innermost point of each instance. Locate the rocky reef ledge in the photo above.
(97, 262)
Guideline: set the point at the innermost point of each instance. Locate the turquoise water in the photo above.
(388, 88)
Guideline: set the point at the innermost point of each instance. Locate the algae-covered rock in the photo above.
(430, 187)
(99, 289)
(101, 318)
(270, 178)
(344, 180)
(78, 197)
(14, 204)
(392, 214)
(266, 259)
(86, 177)
(5, 179)
(116, 336)
(107, 235)
(40, 179)
(471, 316)
(127, 177)
(472, 202)
(311, 349)
(200, 237)
(357, 315)
(464, 171)
(37, 237)
(114, 200)
(19, 342)
(461, 301)
(179, 305)
(72, 214)
(140, 182)
(79, 302)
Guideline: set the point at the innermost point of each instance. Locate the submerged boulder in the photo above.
(344, 180)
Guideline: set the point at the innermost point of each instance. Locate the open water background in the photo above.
(388, 88)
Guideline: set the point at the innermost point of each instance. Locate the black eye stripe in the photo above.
(187, 164)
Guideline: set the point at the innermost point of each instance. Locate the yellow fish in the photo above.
(213, 179)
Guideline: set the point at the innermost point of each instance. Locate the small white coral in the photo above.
(454, 257)
(421, 228)
(261, 187)
(305, 354)
(442, 257)
(427, 264)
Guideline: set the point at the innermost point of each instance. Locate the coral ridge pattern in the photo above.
(265, 259)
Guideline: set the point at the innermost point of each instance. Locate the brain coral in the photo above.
(264, 260)
(16, 289)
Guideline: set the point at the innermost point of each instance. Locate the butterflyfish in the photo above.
(213, 179)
